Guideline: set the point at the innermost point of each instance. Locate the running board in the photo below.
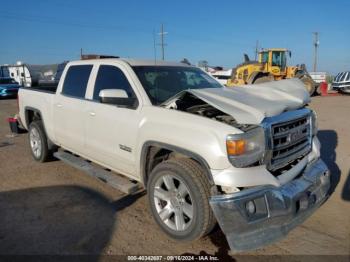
(112, 179)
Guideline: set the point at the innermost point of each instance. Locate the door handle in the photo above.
(58, 105)
(92, 113)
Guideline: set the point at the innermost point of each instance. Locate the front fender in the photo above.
(196, 135)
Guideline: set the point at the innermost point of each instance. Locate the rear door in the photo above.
(70, 109)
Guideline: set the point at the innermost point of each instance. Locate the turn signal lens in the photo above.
(235, 147)
(246, 148)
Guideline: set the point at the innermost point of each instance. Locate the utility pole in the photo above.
(81, 53)
(316, 44)
(256, 50)
(154, 47)
(162, 44)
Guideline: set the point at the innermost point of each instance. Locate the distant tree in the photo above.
(203, 63)
(329, 79)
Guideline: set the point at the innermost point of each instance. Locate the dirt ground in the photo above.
(52, 208)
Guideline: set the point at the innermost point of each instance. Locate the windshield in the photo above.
(163, 82)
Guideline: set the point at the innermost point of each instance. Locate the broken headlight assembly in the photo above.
(247, 148)
(314, 125)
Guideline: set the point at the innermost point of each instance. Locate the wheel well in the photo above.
(155, 154)
(32, 115)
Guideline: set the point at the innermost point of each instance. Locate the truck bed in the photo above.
(43, 88)
(39, 98)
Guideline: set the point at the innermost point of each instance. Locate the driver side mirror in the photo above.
(117, 97)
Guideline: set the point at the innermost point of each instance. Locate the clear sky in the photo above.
(41, 31)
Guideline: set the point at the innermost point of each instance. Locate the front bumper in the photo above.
(277, 209)
(343, 87)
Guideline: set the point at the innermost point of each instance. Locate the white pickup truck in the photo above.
(245, 157)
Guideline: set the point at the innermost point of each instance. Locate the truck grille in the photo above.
(289, 141)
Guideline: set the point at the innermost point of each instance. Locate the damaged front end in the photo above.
(190, 103)
(261, 215)
(279, 132)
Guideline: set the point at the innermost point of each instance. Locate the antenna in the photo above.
(162, 44)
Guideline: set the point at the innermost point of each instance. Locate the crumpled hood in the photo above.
(250, 104)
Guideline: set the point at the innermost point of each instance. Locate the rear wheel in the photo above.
(179, 194)
(38, 141)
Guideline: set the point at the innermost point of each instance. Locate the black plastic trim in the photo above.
(173, 148)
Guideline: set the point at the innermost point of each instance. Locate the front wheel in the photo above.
(179, 194)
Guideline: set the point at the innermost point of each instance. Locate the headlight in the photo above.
(247, 148)
(314, 125)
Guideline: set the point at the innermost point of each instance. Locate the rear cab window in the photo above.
(76, 80)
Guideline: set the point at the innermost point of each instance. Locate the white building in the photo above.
(319, 77)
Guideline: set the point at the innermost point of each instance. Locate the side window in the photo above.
(76, 80)
(111, 77)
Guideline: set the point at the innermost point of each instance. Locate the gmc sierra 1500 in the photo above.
(245, 157)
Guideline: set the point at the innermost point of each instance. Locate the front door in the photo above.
(111, 131)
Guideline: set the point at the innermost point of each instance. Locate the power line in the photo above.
(88, 26)
(57, 21)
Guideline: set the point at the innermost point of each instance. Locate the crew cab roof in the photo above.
(132, 62)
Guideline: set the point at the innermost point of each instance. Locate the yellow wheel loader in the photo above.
(271, 66)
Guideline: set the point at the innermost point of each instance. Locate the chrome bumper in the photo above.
(277, 209)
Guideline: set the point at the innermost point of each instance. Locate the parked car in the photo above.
(8, 87)
(341, 82)
(246, 157)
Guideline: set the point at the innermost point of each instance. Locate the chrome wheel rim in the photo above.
(173, 202)
(35, 142)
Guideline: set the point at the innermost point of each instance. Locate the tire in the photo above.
(38, 142)
(309, 85)
(185, 174)
(263, 79)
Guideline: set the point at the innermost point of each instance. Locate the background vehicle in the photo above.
(222, 75)
(341, 82)
(8, 87)
(272, 65)
(53, 82)
(32, 75)
(201, 150)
